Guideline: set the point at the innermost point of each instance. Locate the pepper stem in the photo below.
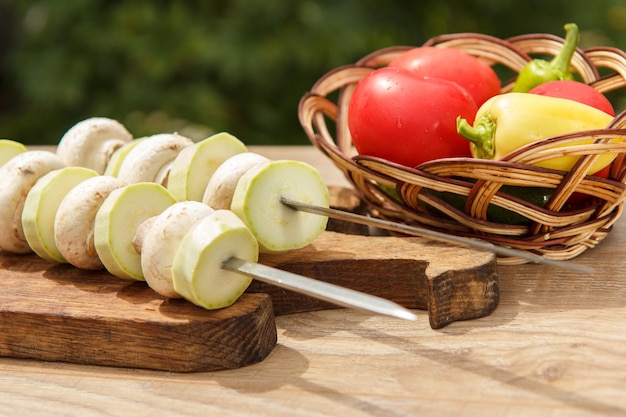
(481, 136)
(562, 60)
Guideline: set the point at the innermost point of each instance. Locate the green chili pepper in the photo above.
(539, 71)
(537, 196)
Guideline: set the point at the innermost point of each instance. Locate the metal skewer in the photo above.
(319, 289)
(419, 231)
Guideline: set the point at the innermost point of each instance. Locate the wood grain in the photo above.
(56, 312)
(452, 283)
(59, 313)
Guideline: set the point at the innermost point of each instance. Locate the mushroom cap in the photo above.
(221, 187)
(150, 159)
(75, 218)
(91, 142)
(19, 174)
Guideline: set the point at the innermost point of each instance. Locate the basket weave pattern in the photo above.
(556, 231)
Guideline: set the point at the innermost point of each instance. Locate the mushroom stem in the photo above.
(141, 232)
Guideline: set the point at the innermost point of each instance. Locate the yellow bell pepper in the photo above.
(509, 121)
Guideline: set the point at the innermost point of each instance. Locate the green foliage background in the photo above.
(240, 66)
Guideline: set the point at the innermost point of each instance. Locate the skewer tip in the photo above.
(406, 315)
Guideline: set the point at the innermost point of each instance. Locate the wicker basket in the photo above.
(559, 230)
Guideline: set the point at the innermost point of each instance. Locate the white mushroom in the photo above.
(19, 174)
(151, 159)
(113, 166)
(10, 148)
(91, 142)
(75, 219)
(221, 187)
(159, 238)
(194, 166)
(41, 205)
(117, 221)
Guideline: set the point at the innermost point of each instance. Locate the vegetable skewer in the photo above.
(112, 219)
(212, 252)
(418, 231)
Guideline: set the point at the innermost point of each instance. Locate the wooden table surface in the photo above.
(555, 346)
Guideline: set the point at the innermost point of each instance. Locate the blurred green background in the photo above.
(240, 66)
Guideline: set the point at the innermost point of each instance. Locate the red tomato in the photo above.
(576, 198)
(604, 172)
(397, 116)
(478, 78)
(577, 91)
(583, 93)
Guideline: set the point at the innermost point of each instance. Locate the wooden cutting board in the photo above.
(55, 312)
(450, 282)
